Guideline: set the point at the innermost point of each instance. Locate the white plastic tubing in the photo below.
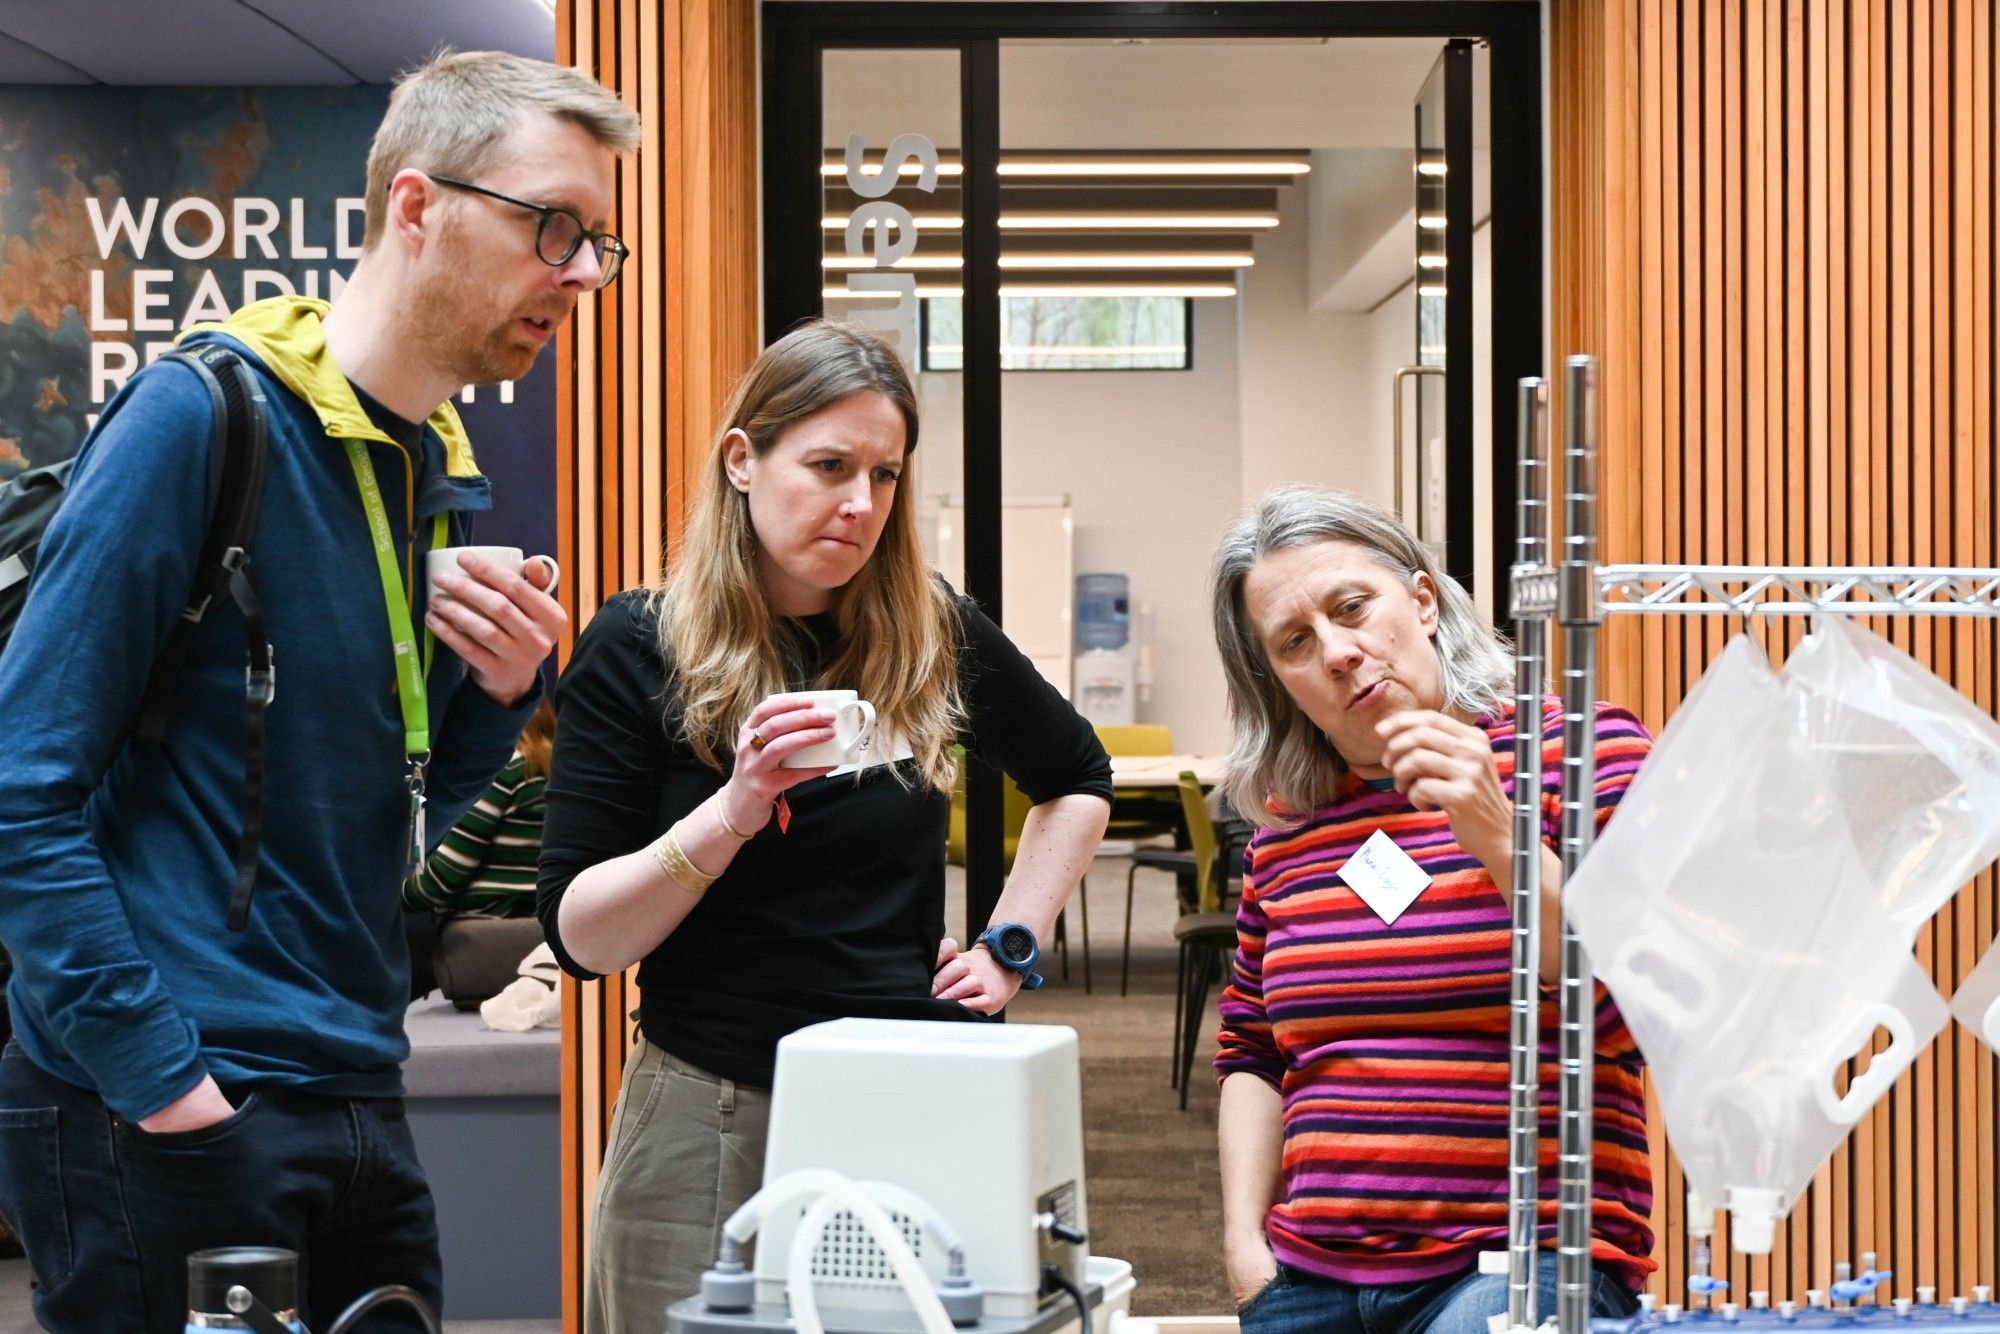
(831, 1192)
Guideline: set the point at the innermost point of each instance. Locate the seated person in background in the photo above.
(487, 862)
(1363, 1125)
(484, 869)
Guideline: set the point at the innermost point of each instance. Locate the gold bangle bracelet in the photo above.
(673, 860)
(722, 818)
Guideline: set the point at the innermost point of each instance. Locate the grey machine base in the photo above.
(689, 1316)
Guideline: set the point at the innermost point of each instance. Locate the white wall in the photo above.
(1158, 463)
(1150, 461)
(1316, 385)
(1309, 412)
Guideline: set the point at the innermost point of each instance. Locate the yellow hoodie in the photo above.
(285, 334)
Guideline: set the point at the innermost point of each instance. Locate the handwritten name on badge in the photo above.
(1383, 877)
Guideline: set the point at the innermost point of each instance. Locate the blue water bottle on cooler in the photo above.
(1103, 611)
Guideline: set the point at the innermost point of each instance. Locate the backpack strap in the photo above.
(38, 491)
(235, 491)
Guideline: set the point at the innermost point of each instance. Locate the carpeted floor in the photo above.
(1153, 1189)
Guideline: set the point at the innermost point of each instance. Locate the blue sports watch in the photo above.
(1014, 948)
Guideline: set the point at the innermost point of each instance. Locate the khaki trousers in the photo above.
(687, 1148)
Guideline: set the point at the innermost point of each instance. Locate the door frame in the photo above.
(794, 32)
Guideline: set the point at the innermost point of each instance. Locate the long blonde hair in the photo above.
(898, 627)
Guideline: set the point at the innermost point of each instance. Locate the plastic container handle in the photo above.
(1881, 1072)
(1989, 1024)
(1660, 983)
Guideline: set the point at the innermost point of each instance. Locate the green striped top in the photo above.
(487, 863)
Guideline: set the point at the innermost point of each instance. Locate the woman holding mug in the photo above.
(1364, 1055)
(757, 897)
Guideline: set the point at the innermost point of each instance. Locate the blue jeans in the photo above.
(1299, 1303)
(109, 1213)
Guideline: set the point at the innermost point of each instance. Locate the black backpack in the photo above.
(235, 490)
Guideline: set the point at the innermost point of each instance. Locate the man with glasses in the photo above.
(180, 1082)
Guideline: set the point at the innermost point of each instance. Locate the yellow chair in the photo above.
(1136, 738)
(1013, 820)
(1137, 818)
(1142, 817)
(1206, 935)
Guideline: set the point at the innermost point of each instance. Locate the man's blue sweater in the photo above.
(117, 855)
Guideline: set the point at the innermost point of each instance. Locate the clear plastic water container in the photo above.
(1103, 611)
(1753, 905)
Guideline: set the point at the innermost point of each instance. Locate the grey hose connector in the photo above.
(964, 1301)
(729, 1286)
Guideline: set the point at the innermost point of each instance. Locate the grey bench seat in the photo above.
(454, 1055)
(486, 1112)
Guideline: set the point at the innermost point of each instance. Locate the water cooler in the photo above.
(1105, 672)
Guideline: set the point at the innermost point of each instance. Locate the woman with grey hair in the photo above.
(1364, 1050)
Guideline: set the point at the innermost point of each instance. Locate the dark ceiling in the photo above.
(252, 42)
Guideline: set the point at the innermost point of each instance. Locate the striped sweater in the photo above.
(1389, 1043)
(487, 862)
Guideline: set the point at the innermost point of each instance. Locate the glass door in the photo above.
(891, 224)
(897, 142)
(1436, 463)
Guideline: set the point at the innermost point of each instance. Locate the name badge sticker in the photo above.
(1384, 877)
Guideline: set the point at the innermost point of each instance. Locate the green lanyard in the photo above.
(412, 669)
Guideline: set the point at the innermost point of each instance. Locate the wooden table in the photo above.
(1164, 771)
(1145, 788)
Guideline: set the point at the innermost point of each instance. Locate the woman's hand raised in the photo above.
(779, 726)
(1440, 763)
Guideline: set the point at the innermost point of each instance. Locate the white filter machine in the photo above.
(982, 1121)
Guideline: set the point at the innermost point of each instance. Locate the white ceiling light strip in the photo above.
(1085, 262)
(907, 169)
(1127, 261)
(1198, 290)
(1091, 222)
(1032, 166)
(1151, 222)
(1115, 167)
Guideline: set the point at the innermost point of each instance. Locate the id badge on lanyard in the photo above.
(412, 667)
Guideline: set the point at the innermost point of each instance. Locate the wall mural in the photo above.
(128, 214)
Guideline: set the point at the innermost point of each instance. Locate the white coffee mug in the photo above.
(853, 730)
(446, 559)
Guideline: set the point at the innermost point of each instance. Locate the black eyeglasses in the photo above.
(559, 233)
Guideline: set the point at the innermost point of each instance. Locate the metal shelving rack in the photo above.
(1577, 593)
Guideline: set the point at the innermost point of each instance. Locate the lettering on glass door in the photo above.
(886, 232)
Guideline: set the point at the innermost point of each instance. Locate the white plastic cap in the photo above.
(1700, 1215)
(1753, 1218)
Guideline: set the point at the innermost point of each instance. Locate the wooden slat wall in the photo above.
(645, 367)
(1774, 225)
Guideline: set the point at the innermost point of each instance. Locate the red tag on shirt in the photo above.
(784, 815)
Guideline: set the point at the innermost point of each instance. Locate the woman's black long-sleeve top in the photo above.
(839, 916)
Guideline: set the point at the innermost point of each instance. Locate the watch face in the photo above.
(1016, 944)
